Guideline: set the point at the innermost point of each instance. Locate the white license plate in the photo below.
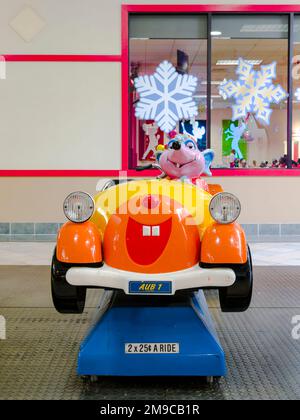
(151, 348)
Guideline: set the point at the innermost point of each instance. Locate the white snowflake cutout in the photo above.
(166, 97)
(297, 94)
(253, 91)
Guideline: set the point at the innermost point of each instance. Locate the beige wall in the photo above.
(60, 116)
(77, 26)
(94, 26)
(264, 199)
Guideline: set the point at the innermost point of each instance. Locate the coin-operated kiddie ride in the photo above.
(153, 245)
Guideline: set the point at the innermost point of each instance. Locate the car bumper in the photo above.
(107, 277)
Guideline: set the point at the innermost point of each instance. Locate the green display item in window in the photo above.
(232, 139)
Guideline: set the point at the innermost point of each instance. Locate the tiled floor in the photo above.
(40, 253)
(26, 253)
(279, 253)
(38, 359)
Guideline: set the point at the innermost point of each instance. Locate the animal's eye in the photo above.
(190, 144)
(170, 144)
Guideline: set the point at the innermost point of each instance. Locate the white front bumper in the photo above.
(111, 278)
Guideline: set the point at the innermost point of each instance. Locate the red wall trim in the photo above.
(230, 172)
(63, 57)
(147, 173)
(58, 173)
(211, 8)
(256, 172)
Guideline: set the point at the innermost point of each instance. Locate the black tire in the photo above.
(67, 299)
(237, 298)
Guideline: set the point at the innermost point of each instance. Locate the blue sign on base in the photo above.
(177, 340)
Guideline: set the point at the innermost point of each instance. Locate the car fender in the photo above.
(79, 243)
(224, 244)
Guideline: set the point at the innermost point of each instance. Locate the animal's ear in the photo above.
(208, 157)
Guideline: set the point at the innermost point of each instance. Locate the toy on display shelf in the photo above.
(150, 136)
(201, 108)
(247, 135)
(234, 134)
(196, 129)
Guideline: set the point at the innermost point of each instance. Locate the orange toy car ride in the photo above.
(152, 237)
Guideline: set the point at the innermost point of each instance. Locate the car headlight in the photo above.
(79, 207)
(225, 207)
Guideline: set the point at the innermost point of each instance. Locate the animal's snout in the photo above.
(176, 145)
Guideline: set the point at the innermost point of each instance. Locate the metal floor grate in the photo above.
(38, 359)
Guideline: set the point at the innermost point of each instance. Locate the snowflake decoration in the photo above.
(253, 91)
(166, 97)
(297, 94)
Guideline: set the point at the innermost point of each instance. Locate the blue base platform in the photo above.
(102, 352)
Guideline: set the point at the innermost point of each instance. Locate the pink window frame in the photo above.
(124, 60)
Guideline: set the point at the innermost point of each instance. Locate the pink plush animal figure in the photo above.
(183, 160)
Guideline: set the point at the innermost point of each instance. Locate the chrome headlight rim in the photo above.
(238, 208)
(92, 207)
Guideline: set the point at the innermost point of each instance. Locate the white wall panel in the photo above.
(60, 116)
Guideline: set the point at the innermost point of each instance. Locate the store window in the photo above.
(259, 39)
(182, 41)
(248, 141)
